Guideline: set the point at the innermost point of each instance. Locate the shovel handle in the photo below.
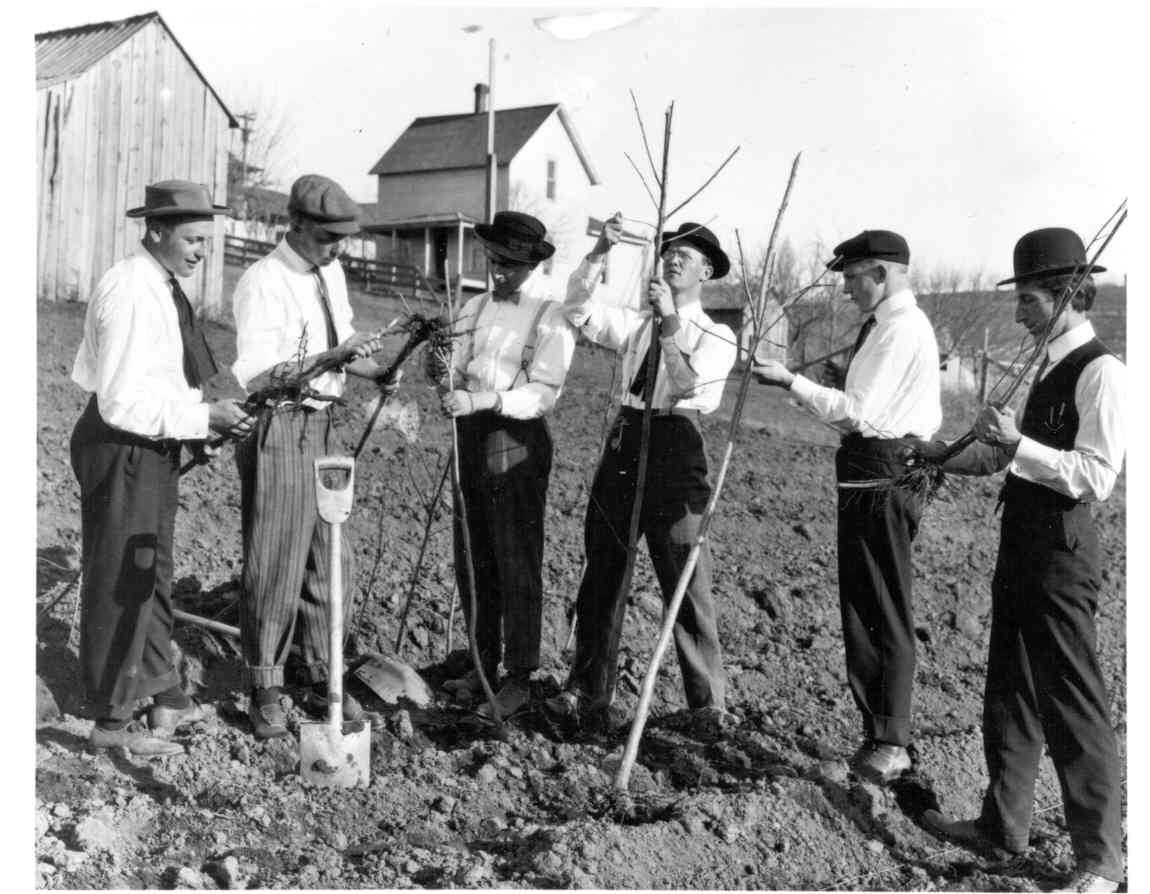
(335, 634)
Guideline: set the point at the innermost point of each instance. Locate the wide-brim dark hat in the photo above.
(1049, 252)
(517, 237)
(699, 237)
(177, 198)
(870, 245)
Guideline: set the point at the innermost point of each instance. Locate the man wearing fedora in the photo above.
(694, 357)
(294, 301)
(143, 359)
(890, 396)
(508, 365)
(1044, 686)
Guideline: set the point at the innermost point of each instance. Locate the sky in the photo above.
(954, 127)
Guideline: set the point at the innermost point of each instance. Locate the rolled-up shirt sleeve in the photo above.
(547, 371)
(603, 324)
(126, 381)
(1089, 471)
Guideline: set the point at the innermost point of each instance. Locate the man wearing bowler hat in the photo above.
(890, 396)
(1044, 685)
(694, 357)
(294, 301)
(143, 359)
(509, 362)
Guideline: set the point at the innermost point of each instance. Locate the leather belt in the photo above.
(660, 412)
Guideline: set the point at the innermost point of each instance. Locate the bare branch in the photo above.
(687, 200)
(646, 185)
(646, 144)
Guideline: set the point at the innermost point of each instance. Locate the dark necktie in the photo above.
(199, 364)
(640, 381)
(325, 302)
(864, 331)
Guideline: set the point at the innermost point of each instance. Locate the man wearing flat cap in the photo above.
(143, 359)
(510, 360)
(293, 301)
(890, 396)
(1044, 686)
(694, 356)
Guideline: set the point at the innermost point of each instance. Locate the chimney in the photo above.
(481, 91)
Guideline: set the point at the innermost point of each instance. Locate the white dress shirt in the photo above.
(1087, 472)
(694, 361)
(488, 353)
(892, 385)
(132, 357)
(276, 301)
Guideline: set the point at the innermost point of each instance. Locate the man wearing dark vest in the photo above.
(143, 358)
(1043, 682)
(290, 303)
(890, 394)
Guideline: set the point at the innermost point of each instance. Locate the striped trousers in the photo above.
(287, 548)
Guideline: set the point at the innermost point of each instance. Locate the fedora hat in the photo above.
(325, 202)
(699, 237)
(517, 237)
(1049, 252)
(177, 198)
(870, 245)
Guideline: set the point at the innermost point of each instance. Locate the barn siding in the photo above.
(140, 114)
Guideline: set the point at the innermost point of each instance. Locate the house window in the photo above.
(551, 164)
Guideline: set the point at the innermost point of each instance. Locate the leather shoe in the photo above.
(566, 704)
(969, 833)
(163, 719)
(512, 695)
(134, 737)
(881, 762)
(467, 685)
(1088, 882)
(315, 703)
(269, 721)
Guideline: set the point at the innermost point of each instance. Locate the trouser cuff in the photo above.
(892, 730)
(265, 676)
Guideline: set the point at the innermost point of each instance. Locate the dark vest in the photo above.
(1051, 418)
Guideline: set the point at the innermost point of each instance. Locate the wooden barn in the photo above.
(119, 105)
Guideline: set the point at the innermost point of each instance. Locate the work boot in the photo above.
(134, 737)
(881, 762)
(468, 684)
(314, 701)
(567, 704)
(165, 719)
(512, 695)
(970, 834)
(268, 713)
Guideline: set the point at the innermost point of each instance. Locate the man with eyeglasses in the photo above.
(694, 357)
(507, 369)
(291, 308)
(890, 396)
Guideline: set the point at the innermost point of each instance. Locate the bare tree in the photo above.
(259, 145)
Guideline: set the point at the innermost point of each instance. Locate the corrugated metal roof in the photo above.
(69, 52)
(446, 142)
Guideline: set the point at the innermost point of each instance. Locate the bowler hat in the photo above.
(1049, 252)
(698, 236)
(517, 237)
(324, 201)
(871, 245)
(172, 198)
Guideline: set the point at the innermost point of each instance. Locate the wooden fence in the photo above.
(373, 277)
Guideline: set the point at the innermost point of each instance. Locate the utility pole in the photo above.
(491, 160)
(245, 133)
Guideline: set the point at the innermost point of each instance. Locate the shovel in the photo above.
(335, 754)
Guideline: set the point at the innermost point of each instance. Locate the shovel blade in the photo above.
(334, 758)
(391, 679)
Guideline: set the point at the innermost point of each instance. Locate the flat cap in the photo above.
(871, 245)
(325, 202)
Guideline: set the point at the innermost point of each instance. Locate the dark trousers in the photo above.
(128, 498)
(505, 466)
(875, 530)
(287, 548)
(674, 499)
(1044, 685)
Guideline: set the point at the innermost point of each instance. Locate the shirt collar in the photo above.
(1071, 339)
(292, 258)
(162, 273)
(900, 300)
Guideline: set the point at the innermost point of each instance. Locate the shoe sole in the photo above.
(872, 775)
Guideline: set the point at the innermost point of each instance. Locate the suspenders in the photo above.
(528, 355)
